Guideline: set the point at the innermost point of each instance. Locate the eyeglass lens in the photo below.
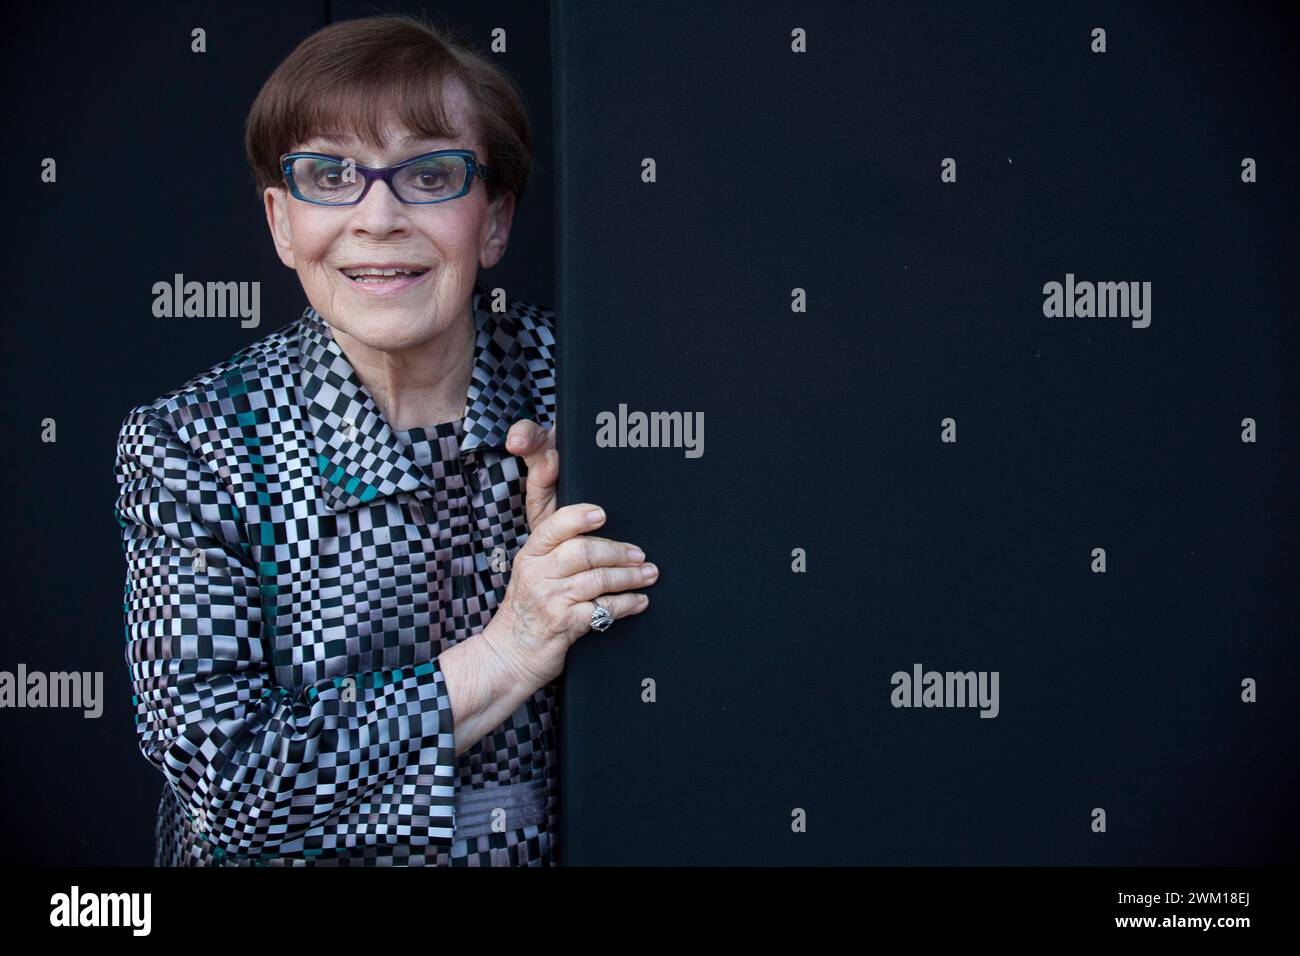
(334, 181)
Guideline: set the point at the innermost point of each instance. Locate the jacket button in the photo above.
(349, 429)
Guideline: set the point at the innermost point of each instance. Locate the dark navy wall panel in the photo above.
(821, 171)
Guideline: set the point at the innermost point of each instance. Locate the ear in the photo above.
(277, 219)
(496, 235)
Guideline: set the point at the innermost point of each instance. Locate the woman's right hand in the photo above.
(554, 581)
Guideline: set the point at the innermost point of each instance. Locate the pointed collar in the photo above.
(358, 456)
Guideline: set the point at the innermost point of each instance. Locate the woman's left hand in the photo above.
(537, 447)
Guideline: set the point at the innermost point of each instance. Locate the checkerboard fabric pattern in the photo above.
(294, 569)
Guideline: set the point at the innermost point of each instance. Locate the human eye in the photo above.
(327, 174)
(433, 177)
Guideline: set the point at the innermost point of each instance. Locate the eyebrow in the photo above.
(411, 138)
(404, 146)
(406, 142)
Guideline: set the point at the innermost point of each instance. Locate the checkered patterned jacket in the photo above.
(294, 567)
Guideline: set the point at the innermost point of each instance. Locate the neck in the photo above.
(423, 385)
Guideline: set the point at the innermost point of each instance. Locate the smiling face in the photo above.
(448, 240)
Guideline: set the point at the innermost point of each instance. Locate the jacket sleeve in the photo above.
(260, 768)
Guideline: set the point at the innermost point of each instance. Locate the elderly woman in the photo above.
(349, 589)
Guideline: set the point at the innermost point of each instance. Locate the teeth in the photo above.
(356, 273)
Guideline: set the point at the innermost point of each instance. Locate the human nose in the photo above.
(380, 212)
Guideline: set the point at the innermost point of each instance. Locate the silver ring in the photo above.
(601, 619)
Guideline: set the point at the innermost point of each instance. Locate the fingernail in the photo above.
(635, 554)
(596, 516)
(649, 571)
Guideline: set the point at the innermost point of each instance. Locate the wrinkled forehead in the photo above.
(398, 144)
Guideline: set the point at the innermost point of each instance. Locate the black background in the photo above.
(775, 170)
(821, 171)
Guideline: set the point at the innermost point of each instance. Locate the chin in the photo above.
(390, 332)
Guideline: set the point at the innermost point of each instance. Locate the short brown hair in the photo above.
(335, 82)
